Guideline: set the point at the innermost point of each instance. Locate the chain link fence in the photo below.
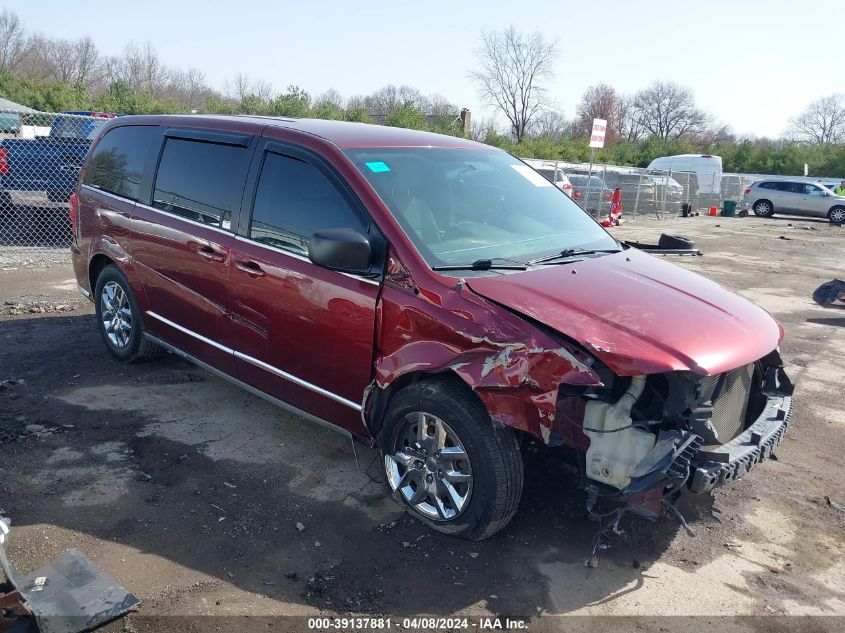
(41, 154)
(644, 191)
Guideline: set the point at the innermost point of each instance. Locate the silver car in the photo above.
(767, 197)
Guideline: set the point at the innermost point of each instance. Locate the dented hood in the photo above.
(639, 314)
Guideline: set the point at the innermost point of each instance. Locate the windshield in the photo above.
(77, 128)
(464, 205)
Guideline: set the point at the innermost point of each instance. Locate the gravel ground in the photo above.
(206, 501)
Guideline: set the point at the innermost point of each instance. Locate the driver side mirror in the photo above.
(346, 250)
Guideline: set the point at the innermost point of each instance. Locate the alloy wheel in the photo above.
(837, 216)
(116, 314)
(428, 465)
(763, 208)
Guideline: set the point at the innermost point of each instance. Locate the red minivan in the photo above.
(430, 295)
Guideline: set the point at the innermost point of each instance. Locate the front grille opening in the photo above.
(730, 393)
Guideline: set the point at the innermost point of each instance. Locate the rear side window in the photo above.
(790, 187)
(118, 161)
(294, 200)
(201, 181)
(767, 185)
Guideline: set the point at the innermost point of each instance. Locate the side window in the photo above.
(201, 181)
(118, 161)
(767, 185)
(813, 190)
(294, 200)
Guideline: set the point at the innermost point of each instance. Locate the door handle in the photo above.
(250, 268)
(210, 254)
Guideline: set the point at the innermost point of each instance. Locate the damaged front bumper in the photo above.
(714, 467)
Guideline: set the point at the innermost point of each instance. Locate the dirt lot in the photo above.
(204, 500)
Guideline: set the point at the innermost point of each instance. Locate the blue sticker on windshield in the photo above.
(377, 166)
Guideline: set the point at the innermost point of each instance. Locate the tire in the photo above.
(763, 208)
(667, 241)
(125, 344)
(836, 215)
(481, 505)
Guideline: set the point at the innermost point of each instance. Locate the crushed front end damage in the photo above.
(641, 433)
(700, 431)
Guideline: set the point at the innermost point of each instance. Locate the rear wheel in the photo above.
(119, 319)
(447, 463)
(763, 208)
(836, 215)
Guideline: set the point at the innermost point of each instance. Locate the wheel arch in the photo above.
(106, 252)
(834, 208)
(378, 398)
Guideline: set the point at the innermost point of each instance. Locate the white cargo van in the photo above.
(708, 169)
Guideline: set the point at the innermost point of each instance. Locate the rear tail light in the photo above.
(747, 191)
(4, 161)
(606, 196)
(72, 212)
(577, 194)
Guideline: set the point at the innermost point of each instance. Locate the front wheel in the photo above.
(836, 215)
(447, 463)
(763, 208)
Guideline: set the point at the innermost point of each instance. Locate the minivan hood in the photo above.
(639, 314)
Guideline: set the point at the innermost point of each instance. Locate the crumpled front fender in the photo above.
(513, 367)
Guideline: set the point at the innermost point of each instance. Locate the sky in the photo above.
(752, 64)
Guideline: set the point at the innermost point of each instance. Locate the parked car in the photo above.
(428, 295)
(767, 197)
(557, 177)
(639, 191)
(669, 193)
(596, 199)
(50, 164)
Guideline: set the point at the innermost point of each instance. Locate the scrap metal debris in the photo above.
(830, 292)
(68, 595)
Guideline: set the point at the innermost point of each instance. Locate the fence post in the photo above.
(637, 199)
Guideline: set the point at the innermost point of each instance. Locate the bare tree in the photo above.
(73, 62)
(140, 68)
(553, 125)
(822, 122)
(599, 102)
(667, 111)
(630, 125)
(12, 41)
(513, 69)
(241, 87)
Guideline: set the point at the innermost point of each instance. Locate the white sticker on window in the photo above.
(531, 176)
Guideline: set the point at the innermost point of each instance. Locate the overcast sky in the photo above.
(752, 63)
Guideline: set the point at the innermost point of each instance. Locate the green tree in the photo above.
(406, 116)
(293, 103)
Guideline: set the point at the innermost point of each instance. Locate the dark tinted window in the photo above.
(790, 187)
(294, 199)
(768, 185)
(201, 181)
(118, 162)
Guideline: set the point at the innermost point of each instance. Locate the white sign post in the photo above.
(596, 140)
(599, 131)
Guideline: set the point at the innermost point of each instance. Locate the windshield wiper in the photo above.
(484, 264)
(572, 252)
